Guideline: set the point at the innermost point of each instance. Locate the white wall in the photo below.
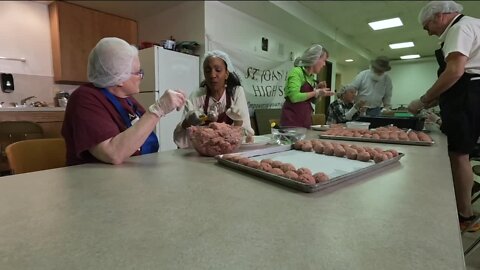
(25, 32)
(348, 72)
(238, 30)
(411, 79)
(185, 22)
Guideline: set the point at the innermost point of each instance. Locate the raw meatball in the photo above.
(291, 174)
(393, 151)
(276, 171)
(298, 145)
(253, 164)
(318, 148)
(304, 171)
(269, 161)
(379, 157)
(357, 134)
(389, 154)
(339, 151)
(351, 153)
(378, 149)
(287, 167)
(328, 150)
(375, 136)
(265, 166)
(307, 147)
(383, 135)
(307, 179)
(413, 136)
(403, 136)
(276, 164)
(367, 135)
(320, 177)
(394, 136)
(244, 161)
(325, 144)
(424, 137)
(363, 156)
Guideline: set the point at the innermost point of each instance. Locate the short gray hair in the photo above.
(434, 7)
(345, 89)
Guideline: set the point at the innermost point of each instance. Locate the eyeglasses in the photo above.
(139, 73)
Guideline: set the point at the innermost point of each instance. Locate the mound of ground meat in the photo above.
(215, 139)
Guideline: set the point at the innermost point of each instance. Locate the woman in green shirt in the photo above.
(301, 88)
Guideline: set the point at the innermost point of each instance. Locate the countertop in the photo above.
(32, 109)
(176, 210)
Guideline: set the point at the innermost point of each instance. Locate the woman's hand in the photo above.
(323, 92)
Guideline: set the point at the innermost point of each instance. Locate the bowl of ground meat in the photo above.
(215, 139)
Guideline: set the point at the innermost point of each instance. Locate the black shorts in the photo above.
(460, 112)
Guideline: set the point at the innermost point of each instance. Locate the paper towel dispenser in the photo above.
(7, 82)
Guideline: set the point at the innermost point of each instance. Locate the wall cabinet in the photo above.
(75, 30)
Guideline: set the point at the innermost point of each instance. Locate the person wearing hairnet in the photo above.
(344, 108)
(301, 88)
(375, 86)
(103, 122)
(457, 91)
(220, 98)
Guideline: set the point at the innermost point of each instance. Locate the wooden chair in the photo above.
(36, 155)
(14, 131)
(318, 119)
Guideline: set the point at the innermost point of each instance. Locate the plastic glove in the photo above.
(415, 106)
(195, 118)
(431, 117)
(170, 100)
(322, 84)
(323, 92)
(234, 113)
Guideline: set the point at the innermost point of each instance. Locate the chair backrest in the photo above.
(14, 131)
(318, 119)
(263, 116)
(36, 154)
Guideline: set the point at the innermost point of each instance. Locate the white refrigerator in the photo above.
(166, 69)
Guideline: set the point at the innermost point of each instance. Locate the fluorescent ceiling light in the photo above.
(378, 25)
(349, 60)
(410, 56)
(401, 45)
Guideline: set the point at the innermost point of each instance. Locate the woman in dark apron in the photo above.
(301, 88)
(220, 98)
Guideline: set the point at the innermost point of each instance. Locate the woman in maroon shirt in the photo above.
(103, 122)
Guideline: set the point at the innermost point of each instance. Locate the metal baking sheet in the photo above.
(361, 139)
(338, 169)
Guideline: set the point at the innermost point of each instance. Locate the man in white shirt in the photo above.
(375, 86)
(457, 91)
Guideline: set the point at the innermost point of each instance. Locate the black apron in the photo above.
(458, 108)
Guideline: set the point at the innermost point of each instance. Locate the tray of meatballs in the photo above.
(311, 165)
(388, 134)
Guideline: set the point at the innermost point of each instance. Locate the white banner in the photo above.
(263, 79)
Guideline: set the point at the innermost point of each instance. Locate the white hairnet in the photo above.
(221, 55)
(110, 62)
(434, 7)
(310, 56)
(345, 89)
